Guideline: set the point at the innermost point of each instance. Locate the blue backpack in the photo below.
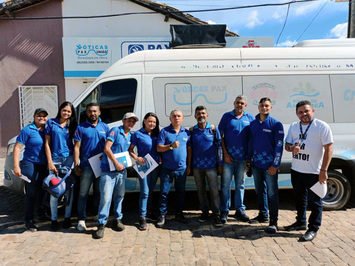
(57, 185)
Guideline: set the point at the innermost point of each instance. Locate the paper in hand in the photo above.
(320, 189)
(22, 177)
(146, 168)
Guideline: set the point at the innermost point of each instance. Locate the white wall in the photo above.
(133, 25)
(74, 86)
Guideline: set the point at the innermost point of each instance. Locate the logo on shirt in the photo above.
(267, 130)
(102, 132)
(279, 143)
(246, 122)
(112, 133)
(184, 139)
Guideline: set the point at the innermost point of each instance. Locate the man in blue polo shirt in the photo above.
(89, 141)
(234, 128)
(265, 149)
(206, 155)
(174, 143)
(112, 183)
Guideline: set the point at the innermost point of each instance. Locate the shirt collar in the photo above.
(233, 114)
(258, 117)
(207, 126)
(120, 128)
(87, 122)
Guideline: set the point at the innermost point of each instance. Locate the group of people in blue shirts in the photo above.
(203, 150)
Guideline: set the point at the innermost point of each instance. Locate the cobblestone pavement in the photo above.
(236, 243)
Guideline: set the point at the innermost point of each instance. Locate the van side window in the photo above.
(117, 98)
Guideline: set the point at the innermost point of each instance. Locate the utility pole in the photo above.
(351, 20)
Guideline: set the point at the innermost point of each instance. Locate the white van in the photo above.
(161, 81)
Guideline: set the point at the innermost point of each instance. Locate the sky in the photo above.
(331, 21)
(302, 23)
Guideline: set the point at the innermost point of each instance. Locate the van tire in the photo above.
(339, 191)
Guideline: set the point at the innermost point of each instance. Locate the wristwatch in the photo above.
(171, 147)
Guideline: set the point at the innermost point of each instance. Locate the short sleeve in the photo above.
(222, 124)
(23, 137)
(78, 134)
(48, 128)
(289, 138)
(326, 134)
(134, 139)
(112, 135)
(161, 138)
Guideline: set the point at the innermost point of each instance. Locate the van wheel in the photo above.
(339, 191)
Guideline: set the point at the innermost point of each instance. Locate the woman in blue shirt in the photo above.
(33, 165)
(59, 147)
(146, 141)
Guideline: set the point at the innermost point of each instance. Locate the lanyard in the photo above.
(304, 135)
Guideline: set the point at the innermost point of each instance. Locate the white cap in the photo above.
(130, 115)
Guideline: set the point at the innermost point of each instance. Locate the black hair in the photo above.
(156, 130)
(92, 104)
(72, 123)
(302, 103)
(265, 99)
(200, 107)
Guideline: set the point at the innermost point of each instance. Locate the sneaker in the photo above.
(30, 226)
(272, 228)
(161, 221)
(224, 217)
(151, 218)
(203, 218)
(66, 223)
(100, 231)
(295, 227)
(259, 219)
(217, 221)
(54, 226)
(142, 224)
(180, 218)
(81, 225)
(241, 216)
(119, 225)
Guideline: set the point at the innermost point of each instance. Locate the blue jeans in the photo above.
(267, 192)
(167, 177)
(112, 185)
(59, 162)
(236, 168)
(86, 179)
(147, 186)
(301, 186)
(200, 178)
(34, 192)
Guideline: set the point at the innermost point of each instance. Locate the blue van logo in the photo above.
(132, 48)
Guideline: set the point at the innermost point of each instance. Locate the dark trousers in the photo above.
(34, 192)
(301, 185)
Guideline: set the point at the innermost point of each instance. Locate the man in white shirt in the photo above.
(311, 142)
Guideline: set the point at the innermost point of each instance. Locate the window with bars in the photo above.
(33, 97)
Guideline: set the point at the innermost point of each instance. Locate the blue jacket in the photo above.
(266, 142)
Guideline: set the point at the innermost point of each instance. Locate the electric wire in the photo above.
(166, 12)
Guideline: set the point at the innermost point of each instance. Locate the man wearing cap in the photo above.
(112, 183)
(174, 143)
(89, 141)
(33, 165)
